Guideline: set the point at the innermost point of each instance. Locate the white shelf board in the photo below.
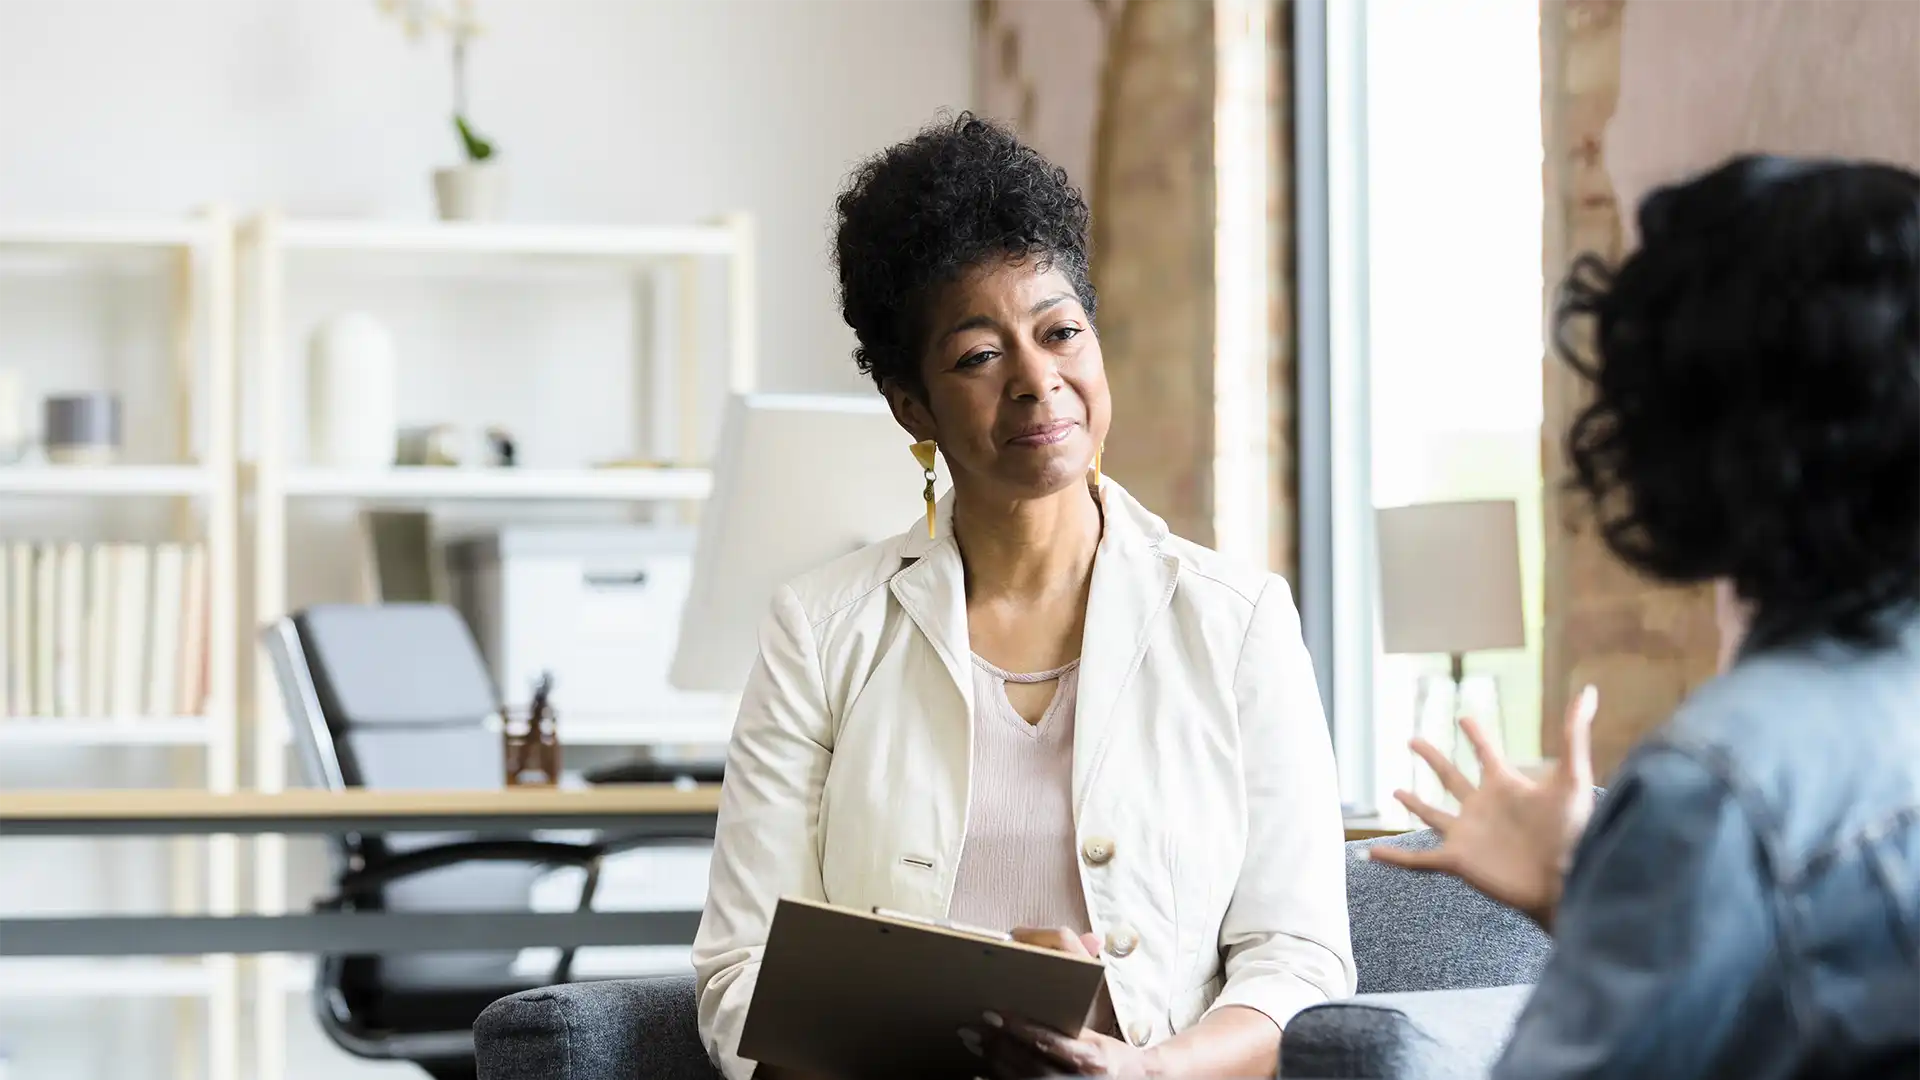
(505, 240)
(110, 731)
(428, 483)
(101, 235)
(73, 977)
(155, 480)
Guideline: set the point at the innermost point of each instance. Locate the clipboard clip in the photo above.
(943, 924)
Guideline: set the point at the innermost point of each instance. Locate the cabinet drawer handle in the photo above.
(609, 579)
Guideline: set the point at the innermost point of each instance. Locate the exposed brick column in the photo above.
(1282, 346)
(1643, 646)
(1125, 95)
(1153, 203)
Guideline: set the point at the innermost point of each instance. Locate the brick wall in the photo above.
(1639, 93)
(1153, 255)
(1643, 646)
(1122, 93)
(1281, 342)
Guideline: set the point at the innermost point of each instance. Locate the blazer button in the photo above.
(1138, 1034)
(1098, 851)
(1121, 941)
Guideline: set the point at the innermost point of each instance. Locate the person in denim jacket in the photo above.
(1745, 902)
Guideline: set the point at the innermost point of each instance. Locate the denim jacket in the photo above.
(1746, 901)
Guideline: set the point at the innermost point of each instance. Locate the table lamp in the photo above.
(1449, 584)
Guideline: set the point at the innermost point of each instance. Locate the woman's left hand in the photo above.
(1016, 1049)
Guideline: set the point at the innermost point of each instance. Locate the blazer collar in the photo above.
(931, 587)
(1133, 580)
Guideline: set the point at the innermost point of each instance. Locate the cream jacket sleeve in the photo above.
(1285, 935)
(767, 843)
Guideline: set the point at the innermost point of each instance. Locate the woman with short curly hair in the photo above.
(1035, 710)
(1746, 902)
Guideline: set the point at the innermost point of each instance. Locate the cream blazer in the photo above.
(1206, 808)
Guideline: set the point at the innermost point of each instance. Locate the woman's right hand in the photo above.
(1085, 946)
(1513, 836)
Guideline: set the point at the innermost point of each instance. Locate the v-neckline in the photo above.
(1058, 676)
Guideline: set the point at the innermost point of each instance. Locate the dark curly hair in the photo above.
(1756, 376)
(916, 215)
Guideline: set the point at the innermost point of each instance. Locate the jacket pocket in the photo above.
(1195, 930)
(1190, 1005)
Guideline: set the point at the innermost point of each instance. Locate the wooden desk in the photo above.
(638, 810)
(625, 811)
(627, 808)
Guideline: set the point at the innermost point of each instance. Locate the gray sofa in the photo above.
(1442, 971)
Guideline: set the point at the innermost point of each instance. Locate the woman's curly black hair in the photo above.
(1756, 376)
(916, 215)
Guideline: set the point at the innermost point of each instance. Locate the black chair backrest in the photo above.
(404, 696)
(398, 697)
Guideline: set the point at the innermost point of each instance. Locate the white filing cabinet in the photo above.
(599, 607)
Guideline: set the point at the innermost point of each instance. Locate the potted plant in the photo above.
(475, 189)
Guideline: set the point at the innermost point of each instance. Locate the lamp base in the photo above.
(1440, 701)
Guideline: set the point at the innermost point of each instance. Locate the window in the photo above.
(1418, 146)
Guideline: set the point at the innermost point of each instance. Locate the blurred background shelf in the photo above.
(144, 310)
(427, 483)
(81, 236)
(106, 731)
(67, 977)
(106, 480)
(469, 239)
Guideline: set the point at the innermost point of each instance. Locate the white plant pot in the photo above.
(475, 191)
(352, 381)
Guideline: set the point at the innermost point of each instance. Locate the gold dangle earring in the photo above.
(1097, 451)
(923, 453)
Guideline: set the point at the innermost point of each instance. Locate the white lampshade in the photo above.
(1450, 577)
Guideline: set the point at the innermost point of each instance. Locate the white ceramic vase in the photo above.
(473, 191)
(351, 385)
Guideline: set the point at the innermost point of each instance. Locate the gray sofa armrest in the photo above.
(1421, 1035)
(630, 1029)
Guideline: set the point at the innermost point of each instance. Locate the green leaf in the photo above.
(478, 149)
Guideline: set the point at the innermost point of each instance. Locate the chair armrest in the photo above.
(1424, 1035)
(389, 870)
(629, 1029)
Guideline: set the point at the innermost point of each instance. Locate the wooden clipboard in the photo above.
(856, 995)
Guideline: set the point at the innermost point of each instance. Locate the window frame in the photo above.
(1337, 574)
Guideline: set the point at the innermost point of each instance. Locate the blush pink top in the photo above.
(1019, 863)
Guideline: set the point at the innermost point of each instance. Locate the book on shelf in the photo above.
(127, 685)
(46, 630)
(19, 629)
(103, 631)
(100, 599)
(70, 629)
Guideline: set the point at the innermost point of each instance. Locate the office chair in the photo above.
(397, 697)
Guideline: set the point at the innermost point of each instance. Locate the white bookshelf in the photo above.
(196, 253)
(674, 374)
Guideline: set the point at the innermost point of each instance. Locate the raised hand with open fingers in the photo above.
(1512, 836)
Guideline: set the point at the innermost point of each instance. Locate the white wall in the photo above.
(625, 111)
(607, 110)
